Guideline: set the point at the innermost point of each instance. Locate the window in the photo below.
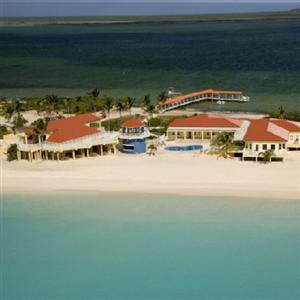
(280, 146)
(250, 146)
(283, 146)
(265, 146)
(256, 147)
(273, 147)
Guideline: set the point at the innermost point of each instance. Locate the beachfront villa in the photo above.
(201, 127)
(133, 134)
(73, 137)
(260, 135)
(82, 136)
(207, 95)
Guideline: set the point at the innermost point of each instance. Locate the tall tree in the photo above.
(162, 96)
(18, 122)
(129, 103)
(108, 106)
(94, 93)
(52, 104)
(281, 112)
(146, 100)
(120, 105)
(224, 141)
(40, 127)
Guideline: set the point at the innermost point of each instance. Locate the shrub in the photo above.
(12, 152)
(3, 131)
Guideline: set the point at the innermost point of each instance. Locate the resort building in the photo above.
(269, 134)
(133, 136)
(207, 95)
(73, 137)
(201, 127)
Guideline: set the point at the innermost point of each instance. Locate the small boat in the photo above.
(220, 102)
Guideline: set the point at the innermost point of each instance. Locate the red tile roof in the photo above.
(132, 123)
(265, 130)
(207, 120)
(209, 91)
(67, 129)
(288, 125)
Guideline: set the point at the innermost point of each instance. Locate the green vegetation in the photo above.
(225, 145)
(281, 114)
(152, 149)
(267, 155)
(3, 131)
(161, 124)
(12, 152)
(18, 122)
(114, 124)
(39, 127)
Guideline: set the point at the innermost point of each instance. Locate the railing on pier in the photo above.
(204, 97)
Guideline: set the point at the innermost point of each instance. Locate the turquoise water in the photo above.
(114, 246)
(260, 58)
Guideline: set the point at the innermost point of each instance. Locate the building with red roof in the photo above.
(205, 95)
(72, 137)
(201, 127)
(269, 134)
(133, 136)
(66, 129)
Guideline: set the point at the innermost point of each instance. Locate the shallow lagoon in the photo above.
(125, 246)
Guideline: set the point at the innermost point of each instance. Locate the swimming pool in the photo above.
(184, 148)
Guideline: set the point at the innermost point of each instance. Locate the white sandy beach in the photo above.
(165, 173)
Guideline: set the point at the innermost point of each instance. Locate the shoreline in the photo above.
(164, 19)
(91, 193)
(165, 174)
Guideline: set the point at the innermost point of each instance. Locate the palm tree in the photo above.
(9, 109)
(281, 112)
(18, 122)
(108, 106)
(120, 105)
(152, 149)
(94, 93)
(150, 110)
(40, 127)
(129, 103)
(267, 155)
(146, 100)
(162, 96)
(52, 103)
(224, 141)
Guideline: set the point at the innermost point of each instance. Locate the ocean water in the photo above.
(133, 8)
(261, 58)
(125, 246)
